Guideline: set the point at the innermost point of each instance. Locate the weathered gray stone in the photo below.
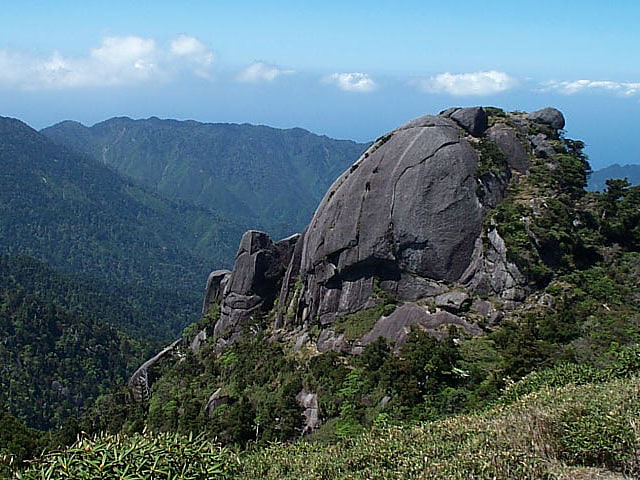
(254, 283)
(198, 340)
(491, 273)
(142, 379)
(398, 325)
(408, 205)
(412, 287)
(549, 116)
(509, 144)
(474, 120)
(309, 401)
(328, 341)
(541, 147)
(214, 290)
(217, 399)
(452, 301)
(482, 307)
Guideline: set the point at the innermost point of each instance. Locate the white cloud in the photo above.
(261, 72)
(117, 61)
(352, 82)
(569, 88)
(461, 84)
(193, 51)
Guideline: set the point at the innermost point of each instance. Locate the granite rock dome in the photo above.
(406, 219)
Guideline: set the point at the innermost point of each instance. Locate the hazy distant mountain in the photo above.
(265, 178)
(598, 177)
(79, 216)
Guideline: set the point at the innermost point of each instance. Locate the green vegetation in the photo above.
(264, 178)
(553, 433)
(135, 457)
(574, 431)
(357, 324)
(54, 364)
(491, 159)
(81, 218)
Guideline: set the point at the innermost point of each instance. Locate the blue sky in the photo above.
(348, 69)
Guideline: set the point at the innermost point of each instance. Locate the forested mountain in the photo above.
(133, 309)
(81, 217)
(55, 362)
(597, 180)
(266, 178)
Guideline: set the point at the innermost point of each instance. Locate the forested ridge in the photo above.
(82, 218)
(265, 178)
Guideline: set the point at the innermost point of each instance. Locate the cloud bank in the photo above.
(261, 72)
(117, 61)
(571, 87)
(463, 84)
(352, 82)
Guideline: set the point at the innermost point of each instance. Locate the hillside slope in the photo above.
(264, 177)
(81, 217)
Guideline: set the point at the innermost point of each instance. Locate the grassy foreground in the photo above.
(577, 432)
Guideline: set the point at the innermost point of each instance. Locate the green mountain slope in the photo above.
(81, 217)
(54, 362)
(597, 180)
(130, 307)
(267, 178)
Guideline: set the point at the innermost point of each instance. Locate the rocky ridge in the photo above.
(406, 224)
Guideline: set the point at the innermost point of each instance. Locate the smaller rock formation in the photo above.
(473, 119)
(213, 292)
(309, 401)
(216, 399)
(506, 139)
(253, 285)
(549, 116)
(143, 377)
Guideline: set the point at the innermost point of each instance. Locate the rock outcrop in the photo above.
(411, 236)
(253, 285)
(406, 218)
(408, 221)
(549, 116)
(140, 382)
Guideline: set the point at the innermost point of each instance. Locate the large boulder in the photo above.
(406, 220)
(473, 119)
(510, 145)
(408, 207)
(549, 116)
